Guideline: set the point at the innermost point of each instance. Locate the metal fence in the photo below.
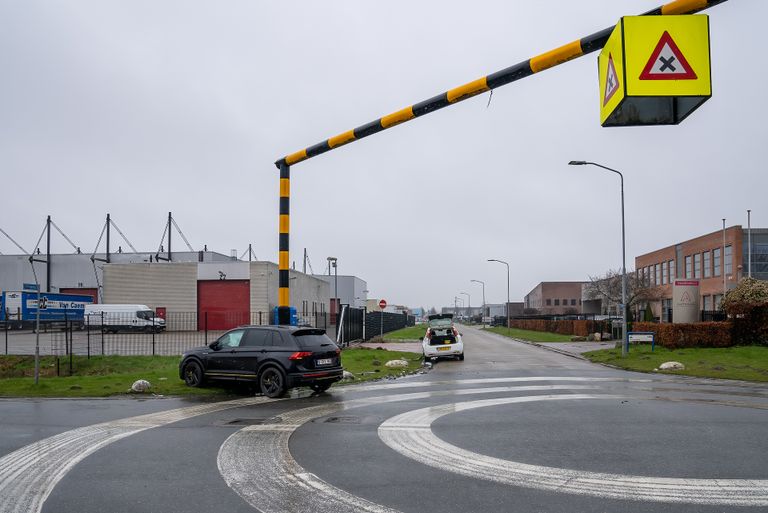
(127, 335)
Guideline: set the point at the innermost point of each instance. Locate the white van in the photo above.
(114, 318)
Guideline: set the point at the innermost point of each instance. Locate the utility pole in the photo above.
(749, 243)
(170, 221)
(47, 255)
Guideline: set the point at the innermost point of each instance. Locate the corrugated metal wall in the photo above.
(173, 286)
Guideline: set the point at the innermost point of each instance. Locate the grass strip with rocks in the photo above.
(105, 376)
(531, 336)
(748, 363)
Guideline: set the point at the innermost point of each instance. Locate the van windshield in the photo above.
(145, 314)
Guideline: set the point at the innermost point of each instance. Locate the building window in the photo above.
(672, 271)
(717, 299)
(304, 308)
(707, 303)
(728, 259)
(697, 265)
(657, 272)
(688, 268)
(557, 302)
(314, 307)
(549, 302)
(664, 273)
(716, 258)
(573, 302)
(707, 264)
(565, 302)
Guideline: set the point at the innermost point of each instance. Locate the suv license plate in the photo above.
(324, 361)
(443, 348)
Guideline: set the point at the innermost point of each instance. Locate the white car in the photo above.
(442, 338)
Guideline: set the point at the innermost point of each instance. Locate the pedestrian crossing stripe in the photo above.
(611, 81)
(667, 62)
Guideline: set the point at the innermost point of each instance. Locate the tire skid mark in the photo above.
(28, 475)
(410, 434)
(257, 464)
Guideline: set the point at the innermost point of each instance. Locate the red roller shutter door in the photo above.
(226, 303)
(94, 293)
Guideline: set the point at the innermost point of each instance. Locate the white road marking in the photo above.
(257, 464)
(28, 475)
(410, 434)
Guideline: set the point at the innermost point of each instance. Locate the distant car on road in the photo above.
(442, 338)
(276, 358)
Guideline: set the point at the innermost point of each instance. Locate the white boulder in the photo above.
(141, 386)
(396, 363)
(672, 366)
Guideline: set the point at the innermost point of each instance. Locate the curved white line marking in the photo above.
(28, 475)
(257, 464)
(411, 435)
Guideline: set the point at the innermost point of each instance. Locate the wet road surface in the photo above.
(511, 428)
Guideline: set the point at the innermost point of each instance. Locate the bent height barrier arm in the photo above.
(513, 73)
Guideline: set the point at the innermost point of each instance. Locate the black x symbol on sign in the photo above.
(667, 63)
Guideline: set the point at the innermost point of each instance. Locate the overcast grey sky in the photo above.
(138, 108)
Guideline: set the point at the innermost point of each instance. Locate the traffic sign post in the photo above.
(382, 305)
(654, 70)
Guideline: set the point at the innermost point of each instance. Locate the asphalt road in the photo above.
(512, 428)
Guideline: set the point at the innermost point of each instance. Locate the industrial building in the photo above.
(211, 290)
(717, 260)
(555, 298)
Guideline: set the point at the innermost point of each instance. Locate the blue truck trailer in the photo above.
(19, 308)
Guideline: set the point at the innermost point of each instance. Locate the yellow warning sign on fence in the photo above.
(654, 70)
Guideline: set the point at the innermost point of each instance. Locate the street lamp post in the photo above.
(483, 284)
(469, 304)
(332, 262)
(625, 339)
(505, 263)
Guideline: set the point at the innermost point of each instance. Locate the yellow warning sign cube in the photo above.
(654, 70)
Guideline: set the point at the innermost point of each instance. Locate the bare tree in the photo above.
(608, 288)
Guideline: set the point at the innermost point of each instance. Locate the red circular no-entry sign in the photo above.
(382, 304)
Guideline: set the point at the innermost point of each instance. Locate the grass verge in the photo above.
(748, 363)
(531, 336)
(410, 333)
(104, 376)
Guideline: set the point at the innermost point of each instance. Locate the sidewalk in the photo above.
(577, 348)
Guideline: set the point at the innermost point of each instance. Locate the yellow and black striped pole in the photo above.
(283, 266)
(523, 69)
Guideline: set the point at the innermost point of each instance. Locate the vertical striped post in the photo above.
(283, 291)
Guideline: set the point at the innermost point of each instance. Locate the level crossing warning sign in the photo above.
(654, 70)
(667, 62)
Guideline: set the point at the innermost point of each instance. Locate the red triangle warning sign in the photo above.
(611, 81)
(667, 62)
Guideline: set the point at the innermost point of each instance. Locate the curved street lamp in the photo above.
(505, 263)
(625, 339)
(483, 284)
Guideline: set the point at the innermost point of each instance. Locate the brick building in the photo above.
(555, 297)
(718, 265)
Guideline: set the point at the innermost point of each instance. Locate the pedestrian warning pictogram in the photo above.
(611, 81)
(667, 62)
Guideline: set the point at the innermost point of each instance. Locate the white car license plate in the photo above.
(324, 361)
(443, 348)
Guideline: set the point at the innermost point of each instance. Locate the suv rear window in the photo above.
(309, 339)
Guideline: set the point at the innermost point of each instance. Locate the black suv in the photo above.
(275, 357)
